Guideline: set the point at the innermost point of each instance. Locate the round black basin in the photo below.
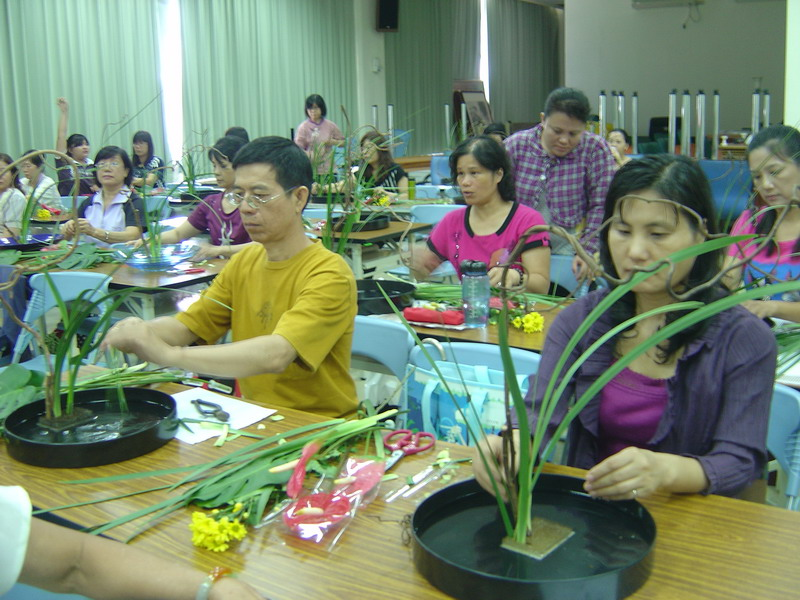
(372, 302)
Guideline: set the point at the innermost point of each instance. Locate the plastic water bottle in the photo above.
(475, 293)
(412, 188)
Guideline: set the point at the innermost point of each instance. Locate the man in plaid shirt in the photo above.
(563, 171)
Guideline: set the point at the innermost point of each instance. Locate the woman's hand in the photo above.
(630, 473)
(206, 252)
(229, 588)
(62, 105)
(513, 278)
(490, 450)
(761, 308)
(68, 229)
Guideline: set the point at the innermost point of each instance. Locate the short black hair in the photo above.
(36, 160)
(76, 139)
(316, 100)
(497, 128)
(238, 132)
(569, 101)
(292, 166)
(111, 152)
(624, 133)
(491, 155)
(5, 158)
(225, 148)
(143, 136)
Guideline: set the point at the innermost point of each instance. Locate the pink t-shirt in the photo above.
(223, 228)
(631, 407)
(452, 238)
(782, 265)
(314, 137)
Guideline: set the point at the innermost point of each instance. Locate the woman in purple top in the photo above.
(492, 223)
(214, 213)
(317, 136)
(689, 416)
(774, 157)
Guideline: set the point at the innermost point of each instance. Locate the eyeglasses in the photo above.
(253, 201)
(111, 164)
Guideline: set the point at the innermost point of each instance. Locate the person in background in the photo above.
(492, 223)
(563, 171)
(690, 415)
(214, 214)
(114, 214)
(12, 201)
(620, 143)
(289, 302)
(378, 173)
(496, 131)
(318, 136)
(148, 169)
(774, 158)
(76, 146)
(36, 184)
(65, 561)
(240, 132)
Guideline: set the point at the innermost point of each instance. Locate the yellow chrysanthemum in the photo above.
(215, 535)
(517, 322)
(533, 322)
(43, 214)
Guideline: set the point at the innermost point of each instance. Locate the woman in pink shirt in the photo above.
(317, 136)
(491, 224)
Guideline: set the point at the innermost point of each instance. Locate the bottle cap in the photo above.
(473, 267)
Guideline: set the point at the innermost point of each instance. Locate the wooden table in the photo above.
(149, 283)
(707, 547)
(414, 163)
(392, 234)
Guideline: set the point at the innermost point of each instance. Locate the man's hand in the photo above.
(135, 336)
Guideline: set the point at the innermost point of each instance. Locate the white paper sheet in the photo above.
(242, 414)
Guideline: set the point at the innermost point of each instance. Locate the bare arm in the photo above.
(423, 262)
(165, 341)
(184, 231)
(63, 120)
(83, 226)
(66, 561)
(536, 263)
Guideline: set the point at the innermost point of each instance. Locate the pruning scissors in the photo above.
(403, 442)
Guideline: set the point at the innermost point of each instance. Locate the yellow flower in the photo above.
(43, 214)
(214, 535)
(517, 322)
(533, 322)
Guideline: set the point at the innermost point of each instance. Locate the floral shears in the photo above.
(403, 442)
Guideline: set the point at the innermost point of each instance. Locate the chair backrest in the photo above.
(431, 213)
(320, 213)
(783, 437)
(386, 342)
(561, 272)
(731, 186)
(440, 170)
(400, 142)
(159, 205)
(69, 286)
(526, 362)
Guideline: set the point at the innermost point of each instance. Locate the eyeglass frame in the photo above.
(113, 164)
(237, 199)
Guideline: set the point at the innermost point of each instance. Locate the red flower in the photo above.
(311, 515)
(360, 476)
(295, 483)
(495, 302)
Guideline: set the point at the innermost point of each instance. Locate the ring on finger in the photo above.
(635, 493)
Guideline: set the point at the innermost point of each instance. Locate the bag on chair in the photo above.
(477, 391)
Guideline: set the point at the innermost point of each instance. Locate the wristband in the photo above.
(214, 575)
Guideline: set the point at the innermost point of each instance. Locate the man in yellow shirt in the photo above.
(289, 302)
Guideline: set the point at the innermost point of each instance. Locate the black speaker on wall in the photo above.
(387, 15)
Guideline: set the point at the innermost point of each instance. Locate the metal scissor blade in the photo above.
(393, 458)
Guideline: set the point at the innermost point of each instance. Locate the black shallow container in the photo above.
(110, 437)
(457, 533)
(372, 302)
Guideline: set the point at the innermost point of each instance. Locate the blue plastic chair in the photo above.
(70, 286)
(731, 186)
(440, 170)
(386, 342)
(526, 362)
(159, 205)
(561, 272)
(320, 213)
(783, 438)
(400, 142)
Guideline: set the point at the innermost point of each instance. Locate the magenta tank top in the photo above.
(631, 406)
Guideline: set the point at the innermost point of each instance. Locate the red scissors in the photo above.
(408, 442)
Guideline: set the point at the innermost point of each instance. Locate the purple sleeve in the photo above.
(738, 453)
(599, 174)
